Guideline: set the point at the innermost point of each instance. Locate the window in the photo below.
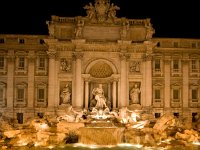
(176, 115)
(20, 118)
(41, 95)
(41, 63)
(21, 41)
(41, 41)
(176, 95)
(157, 64)
(21, 63)
(1, 62)
(194, 94)
(20, 95)
(175, 65)
(176, 44)
(2, 41)
(194, 117)
(1, 94)
(194, 66)
(157, 94)
(194, 45)
(157, 115)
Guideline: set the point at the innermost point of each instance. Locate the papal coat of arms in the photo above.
(101, 7)
(102, 11)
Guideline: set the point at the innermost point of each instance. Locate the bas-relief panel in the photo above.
(65, 65)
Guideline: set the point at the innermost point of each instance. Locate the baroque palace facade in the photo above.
(41, 74)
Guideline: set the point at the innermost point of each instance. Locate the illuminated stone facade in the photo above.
(45, 73)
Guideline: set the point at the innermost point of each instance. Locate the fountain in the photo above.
(101, 127)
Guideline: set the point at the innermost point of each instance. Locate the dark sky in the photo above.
(170, 18)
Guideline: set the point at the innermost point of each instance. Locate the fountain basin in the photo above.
(101, 135)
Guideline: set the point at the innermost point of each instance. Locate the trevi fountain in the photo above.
(100, 125)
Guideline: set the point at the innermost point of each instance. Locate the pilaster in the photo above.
(10, 79)
(167, 82)
(185, 63)
(31, 68)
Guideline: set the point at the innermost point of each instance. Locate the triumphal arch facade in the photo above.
(100, 48)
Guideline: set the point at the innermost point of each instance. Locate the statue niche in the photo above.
(135, 93)
(65, 95)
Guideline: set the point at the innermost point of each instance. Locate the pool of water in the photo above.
(118, 147)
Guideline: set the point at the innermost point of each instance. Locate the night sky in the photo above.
(170, 18)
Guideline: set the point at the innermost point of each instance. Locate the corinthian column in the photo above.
(78, 102)
(51, 82)
(123, 80)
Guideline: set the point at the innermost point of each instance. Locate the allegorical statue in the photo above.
(79, 28)
(66, 95)
(134, 94)
(90, 10)
(112, 11)
(100, 99)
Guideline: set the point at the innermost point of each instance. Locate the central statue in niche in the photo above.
(100, 100)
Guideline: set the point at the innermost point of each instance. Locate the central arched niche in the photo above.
(101, 72)
(101, 68)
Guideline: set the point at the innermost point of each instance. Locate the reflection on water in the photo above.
(122, 147)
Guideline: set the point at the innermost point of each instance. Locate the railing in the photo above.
(63, 19)
(137, 21)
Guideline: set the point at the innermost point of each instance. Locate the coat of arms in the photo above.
(102, 7)
(102, 11)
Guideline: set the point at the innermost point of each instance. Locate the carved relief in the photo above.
(65, 65)
(134, 67)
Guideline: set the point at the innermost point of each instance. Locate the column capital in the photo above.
(124, 56)
(150, 46)
(148, 57)
(86, 77)
(77, 55)
(31, 56)
(185, 61)
(10, 58)
(115, 77)
(51, 53)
